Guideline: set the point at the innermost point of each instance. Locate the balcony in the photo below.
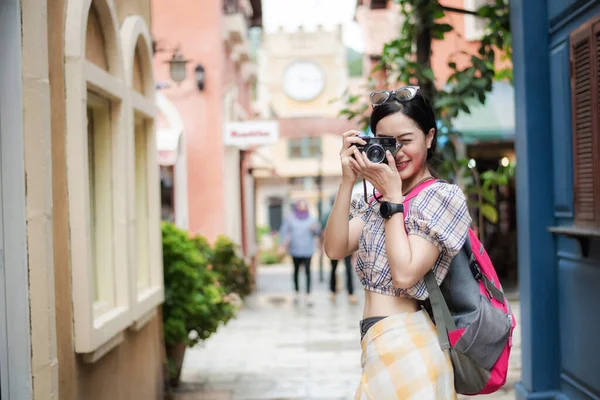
(235, 28)
(249, 71)
(241, 52)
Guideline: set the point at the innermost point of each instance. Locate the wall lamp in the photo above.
(178, 67)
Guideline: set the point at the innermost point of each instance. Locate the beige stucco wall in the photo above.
(133, 370)
(126, 8)
(277, 155)
(60, 227)
(38, 169)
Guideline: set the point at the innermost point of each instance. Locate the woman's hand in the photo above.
(384, 177)
(349, 166)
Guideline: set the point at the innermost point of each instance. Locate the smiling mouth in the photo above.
(401, 165)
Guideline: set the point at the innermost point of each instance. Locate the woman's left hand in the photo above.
(384, 177)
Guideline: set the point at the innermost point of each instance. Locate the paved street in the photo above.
(277, 350)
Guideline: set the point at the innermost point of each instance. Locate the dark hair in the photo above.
(418, 109)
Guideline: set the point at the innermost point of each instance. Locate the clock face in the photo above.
(303, 80)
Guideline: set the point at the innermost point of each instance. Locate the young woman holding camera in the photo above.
(401, 355)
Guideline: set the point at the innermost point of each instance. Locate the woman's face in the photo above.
(301, 206)
(411, 158)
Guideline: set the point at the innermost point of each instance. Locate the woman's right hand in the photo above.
(349, 165)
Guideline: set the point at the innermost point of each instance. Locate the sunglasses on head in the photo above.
(405, 93)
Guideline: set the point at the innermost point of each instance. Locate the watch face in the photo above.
(303, 80)
(384, 209)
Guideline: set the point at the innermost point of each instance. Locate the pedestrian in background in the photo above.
(297, 236)
(401, 353)
(348, 263)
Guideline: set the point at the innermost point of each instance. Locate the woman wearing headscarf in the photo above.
(297, 235)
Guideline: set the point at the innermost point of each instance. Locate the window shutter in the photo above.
(585, 81)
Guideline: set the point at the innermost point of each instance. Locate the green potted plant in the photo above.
(195, 303)
(233, 272)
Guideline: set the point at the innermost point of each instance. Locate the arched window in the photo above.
(99, 131)
(143, 180)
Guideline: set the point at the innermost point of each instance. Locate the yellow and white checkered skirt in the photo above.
(402, 359)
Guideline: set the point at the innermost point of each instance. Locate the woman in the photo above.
(401, 355)
(298, 238)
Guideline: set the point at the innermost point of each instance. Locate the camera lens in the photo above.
(376, 154)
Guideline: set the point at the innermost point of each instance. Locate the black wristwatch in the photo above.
(387, 209)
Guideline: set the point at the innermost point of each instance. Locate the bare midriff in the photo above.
(383, 305)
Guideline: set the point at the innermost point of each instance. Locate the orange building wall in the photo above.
(453, 43)
(451, 47)
(198, 33)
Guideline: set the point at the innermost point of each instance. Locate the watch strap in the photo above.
(397, 208)
(393, 208)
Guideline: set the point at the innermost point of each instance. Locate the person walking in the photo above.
(401, 353)
(333, 278)
(297, 234)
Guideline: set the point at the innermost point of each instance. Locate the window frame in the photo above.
(94, 334)
(135, 37)
(305, 144)
(102, 261)
(95, 324)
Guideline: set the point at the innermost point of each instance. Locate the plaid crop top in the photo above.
(439, 214)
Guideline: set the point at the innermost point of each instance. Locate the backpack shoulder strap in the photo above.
(415, 192)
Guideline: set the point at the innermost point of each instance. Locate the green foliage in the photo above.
(475, 80)
(194, 300)
(482, 189)
(355, 62)
(232, 270)
(269, 257)
(406, 60)
(203, 246)
(261, 231)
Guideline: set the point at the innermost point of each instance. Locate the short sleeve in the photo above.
(358, 207)
(440, 215)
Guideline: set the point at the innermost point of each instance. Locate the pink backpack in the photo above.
(472, 316)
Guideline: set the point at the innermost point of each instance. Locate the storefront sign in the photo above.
(250, 133)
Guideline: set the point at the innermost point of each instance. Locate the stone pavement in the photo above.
(280, 351)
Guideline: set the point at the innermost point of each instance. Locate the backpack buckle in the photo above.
(475, 269)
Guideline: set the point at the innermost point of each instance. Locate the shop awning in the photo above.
(168, 132)
(492, 121)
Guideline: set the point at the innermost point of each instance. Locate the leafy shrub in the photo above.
(270, 257)
(234, 273)
(194, 299)
(261, 231)
(203, 246)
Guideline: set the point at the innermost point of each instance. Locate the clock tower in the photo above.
(301, 72)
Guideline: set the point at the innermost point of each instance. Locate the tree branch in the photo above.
(458, 10)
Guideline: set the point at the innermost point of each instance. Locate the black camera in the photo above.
(376, 148)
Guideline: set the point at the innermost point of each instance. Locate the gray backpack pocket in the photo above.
(485, 338)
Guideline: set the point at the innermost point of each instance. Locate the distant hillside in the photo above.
(355, 64)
